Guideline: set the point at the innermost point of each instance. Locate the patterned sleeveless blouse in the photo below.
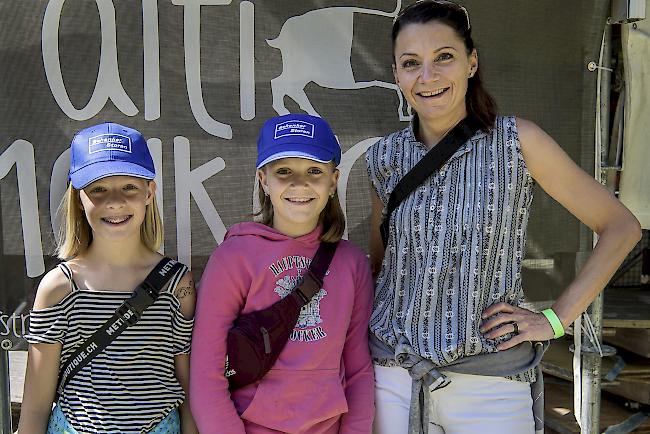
(456, 243)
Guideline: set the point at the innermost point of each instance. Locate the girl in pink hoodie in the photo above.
(322, 383)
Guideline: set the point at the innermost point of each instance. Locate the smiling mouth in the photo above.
(433, 94)
(118, 220)
(299, 200)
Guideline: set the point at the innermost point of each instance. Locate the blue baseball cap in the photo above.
(108, 149)
(298, 135)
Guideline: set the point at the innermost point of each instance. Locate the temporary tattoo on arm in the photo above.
(184, 291)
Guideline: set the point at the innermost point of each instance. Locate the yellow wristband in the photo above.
(556, 324)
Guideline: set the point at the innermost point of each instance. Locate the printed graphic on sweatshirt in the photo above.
(308, 328)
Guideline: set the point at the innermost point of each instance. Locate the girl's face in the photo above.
(299, 190)
(115, 206)
(432, 68)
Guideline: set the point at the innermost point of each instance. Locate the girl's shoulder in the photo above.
(53, 288)
(349, 248)
(351, 254)
(185, 292)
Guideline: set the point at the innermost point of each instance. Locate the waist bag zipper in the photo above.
(267, 341)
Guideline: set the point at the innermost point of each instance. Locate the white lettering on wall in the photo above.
(189, 183)
(247, 60)
(192, 43)
(108, 84)
(347, 161)
(151, 45)
(21, 154)
(58, 186)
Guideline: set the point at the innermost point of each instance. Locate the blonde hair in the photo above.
(331, 217)
(75, 234)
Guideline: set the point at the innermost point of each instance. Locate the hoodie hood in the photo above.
(269, 233)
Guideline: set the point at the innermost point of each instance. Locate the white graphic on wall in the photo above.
(20, 154)
(316, 47)
(108, 84)
(186, 182)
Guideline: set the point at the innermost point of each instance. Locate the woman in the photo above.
(448, 289)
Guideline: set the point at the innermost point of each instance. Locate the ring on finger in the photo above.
(515, 327)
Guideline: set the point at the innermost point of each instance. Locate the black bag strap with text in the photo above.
(129, 313)
(432, 161)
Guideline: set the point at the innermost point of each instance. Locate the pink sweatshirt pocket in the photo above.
(293, 401)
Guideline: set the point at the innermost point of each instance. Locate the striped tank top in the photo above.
(456, 244)
(130, 386)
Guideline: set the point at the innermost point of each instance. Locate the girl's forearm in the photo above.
(32, 422)
(187, 421)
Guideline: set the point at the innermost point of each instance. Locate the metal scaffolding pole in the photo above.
(5, 400)
(590, 343)
(590, 373)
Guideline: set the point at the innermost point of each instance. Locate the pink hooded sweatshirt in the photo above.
(323, 381)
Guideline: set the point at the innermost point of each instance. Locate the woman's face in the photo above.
(432, 69)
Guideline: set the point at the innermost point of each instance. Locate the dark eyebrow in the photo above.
(435, 51)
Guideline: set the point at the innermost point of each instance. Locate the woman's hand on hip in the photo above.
(502, 319)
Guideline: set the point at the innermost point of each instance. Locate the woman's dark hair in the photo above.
(480, 104)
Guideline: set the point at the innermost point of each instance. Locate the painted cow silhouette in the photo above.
(317, 46)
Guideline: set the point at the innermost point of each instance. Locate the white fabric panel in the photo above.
(635, 178)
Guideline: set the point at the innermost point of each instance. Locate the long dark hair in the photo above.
(480, 104)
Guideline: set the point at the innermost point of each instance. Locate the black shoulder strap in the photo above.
(126, 315)
(432, 161)
(312, 281)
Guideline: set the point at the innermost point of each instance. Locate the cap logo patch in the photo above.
(109, 142)
(294, 128)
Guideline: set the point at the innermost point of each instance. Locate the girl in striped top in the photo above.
(110, 232)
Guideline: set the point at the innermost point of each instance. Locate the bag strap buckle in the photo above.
(128, 313)
(143, 296)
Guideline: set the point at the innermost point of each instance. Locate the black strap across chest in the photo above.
(432, 161)
(127, 314)
(312, 281)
